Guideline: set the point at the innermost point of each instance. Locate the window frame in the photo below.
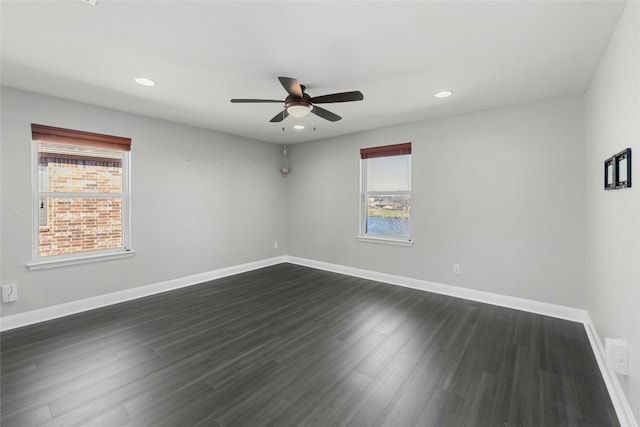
(43, 209)
(40, 262)
(374, 152)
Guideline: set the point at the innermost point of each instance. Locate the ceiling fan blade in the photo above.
(240, 101)
(338, 97)
(292, 86)
(280, 116)
(325, 114)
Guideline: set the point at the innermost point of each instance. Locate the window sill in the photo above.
(39, 265)
(385, 240)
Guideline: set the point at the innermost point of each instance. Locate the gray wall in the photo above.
(201, 200)
(499, 192)
(613, 217)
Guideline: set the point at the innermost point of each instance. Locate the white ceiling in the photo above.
(203, 53)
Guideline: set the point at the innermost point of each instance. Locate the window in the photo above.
(386, 193)
(43, 185)
(81, 195)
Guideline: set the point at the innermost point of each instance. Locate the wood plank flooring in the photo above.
(294, 346)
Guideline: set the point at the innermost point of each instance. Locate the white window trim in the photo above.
(372, 238)
(81, 258)
(384, 240)
(40, 262)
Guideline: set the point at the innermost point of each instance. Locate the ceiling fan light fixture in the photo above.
(298, 109)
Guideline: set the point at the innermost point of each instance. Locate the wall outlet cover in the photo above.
(10, 292)
(617, 353)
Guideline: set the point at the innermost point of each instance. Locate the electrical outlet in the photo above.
(456, 268)
(617, 354)
(10, 292)
(275, 245)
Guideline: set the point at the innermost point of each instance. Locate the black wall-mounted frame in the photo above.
(622, 162)
(610, 174)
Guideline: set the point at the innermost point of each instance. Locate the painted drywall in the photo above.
(201, 201)
(613, 217)
(499, 192)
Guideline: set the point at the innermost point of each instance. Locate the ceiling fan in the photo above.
(299, 103)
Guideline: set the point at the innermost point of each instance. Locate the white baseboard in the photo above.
(619, 400)
(73, 307)
(538, 307)
(61, 310)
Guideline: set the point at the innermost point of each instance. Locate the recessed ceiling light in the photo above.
(444, 94)
(145, 81)
(299, 127)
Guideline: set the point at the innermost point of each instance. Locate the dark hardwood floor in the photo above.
(293, 346)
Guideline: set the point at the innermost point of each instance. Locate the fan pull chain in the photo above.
(285, 161)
